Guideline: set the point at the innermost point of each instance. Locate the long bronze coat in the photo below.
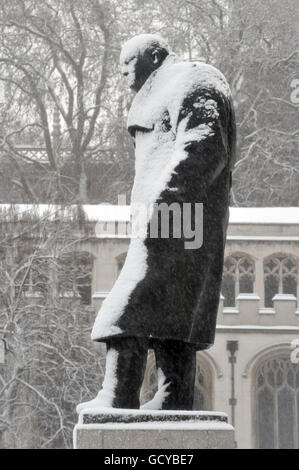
(183, 124)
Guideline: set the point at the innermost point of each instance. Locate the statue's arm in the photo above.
(206, 127)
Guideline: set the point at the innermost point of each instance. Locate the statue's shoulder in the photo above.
(192, 76)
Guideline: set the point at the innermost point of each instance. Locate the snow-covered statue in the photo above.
(166, 297)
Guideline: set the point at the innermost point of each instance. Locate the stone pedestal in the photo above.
(138, 429)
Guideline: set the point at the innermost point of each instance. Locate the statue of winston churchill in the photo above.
(166, 297)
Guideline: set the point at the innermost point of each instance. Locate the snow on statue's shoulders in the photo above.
(168, 87)
(208, 76)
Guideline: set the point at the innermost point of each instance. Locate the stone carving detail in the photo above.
(280, 276)
(238, 277)
(277, 395)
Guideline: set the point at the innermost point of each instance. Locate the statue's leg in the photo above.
(129, 372)
(176, 364)
(125, 368)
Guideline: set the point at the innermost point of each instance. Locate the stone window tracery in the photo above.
(277, 404)
(280, 277)
(238, 277)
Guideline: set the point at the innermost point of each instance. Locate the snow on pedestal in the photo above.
(111, 428)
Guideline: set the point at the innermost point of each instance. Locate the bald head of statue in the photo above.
(140, 56)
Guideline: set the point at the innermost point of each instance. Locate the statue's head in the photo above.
(140, 56)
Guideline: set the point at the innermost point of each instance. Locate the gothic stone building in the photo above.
(251, 371)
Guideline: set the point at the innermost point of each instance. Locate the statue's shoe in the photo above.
(157, 402)
(95, 403)
(104, 399)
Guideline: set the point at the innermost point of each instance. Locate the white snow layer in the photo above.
(169, 85)
(133, 271)
(158, 400)
(257, 327)
(153, 413)
(158, 425)
(107, 393)
(139, 44)
(264, 215)
(121, 213)
(157, 154)
(104, 212)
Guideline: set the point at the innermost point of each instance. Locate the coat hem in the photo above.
(200, 346)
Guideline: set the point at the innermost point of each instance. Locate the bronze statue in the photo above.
(166, 297)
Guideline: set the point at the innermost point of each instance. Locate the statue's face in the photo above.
(137, 68)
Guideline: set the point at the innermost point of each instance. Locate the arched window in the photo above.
(238, 277)
(203, 386)
(280, 276)
(75, 276)
(277, 404)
